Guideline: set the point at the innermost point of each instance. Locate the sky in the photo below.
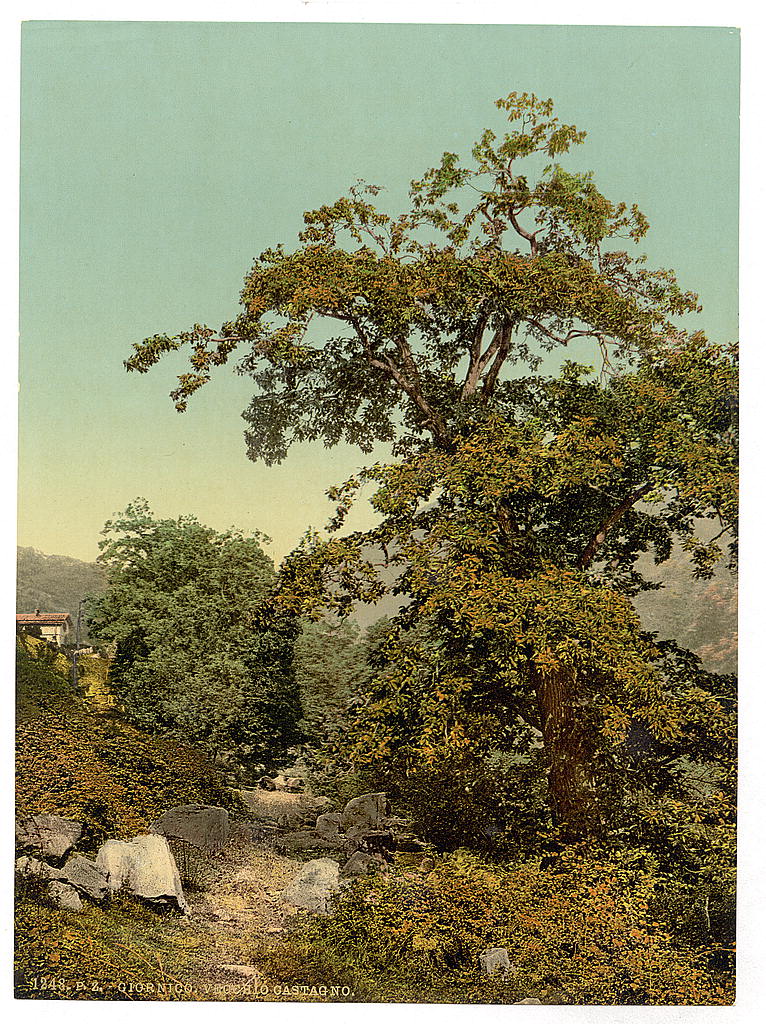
(158, 159)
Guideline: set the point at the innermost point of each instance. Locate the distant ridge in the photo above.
(54, 583)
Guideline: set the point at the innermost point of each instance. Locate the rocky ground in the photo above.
(248, 877)
(239, 907)
(239, 901)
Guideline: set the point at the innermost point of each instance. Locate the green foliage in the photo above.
(73, 761)
(589, 931)
(329, 666)
(200, 654)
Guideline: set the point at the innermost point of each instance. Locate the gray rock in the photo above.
(144, 867)
(288, 783)
(528, 1002)
(47, 835)
(314, 886)
(30, 867)
(202, 826)
(329, 824)
(266, 782)
(427, 864)
(381, 842)
(306, 840)
(364, 813)
(64, 896)
(85, 876)
(360, 864)
(495, 961)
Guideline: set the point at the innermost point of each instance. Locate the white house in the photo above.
(55, 626)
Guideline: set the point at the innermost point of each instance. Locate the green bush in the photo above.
(584, 933)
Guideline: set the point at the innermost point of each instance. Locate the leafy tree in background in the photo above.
(330, 665)
(521, 501)
(200, 654)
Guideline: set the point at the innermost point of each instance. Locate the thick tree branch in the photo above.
(409, 381)
(503, 348)
(611, 520)
(531, 237)
(479, 361)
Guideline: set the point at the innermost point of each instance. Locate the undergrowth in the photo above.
(588, 931)
(76, 761)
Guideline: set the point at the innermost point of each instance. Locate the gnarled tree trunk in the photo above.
(568, 752)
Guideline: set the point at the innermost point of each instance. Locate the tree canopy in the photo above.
(199, 652)
(521, 500)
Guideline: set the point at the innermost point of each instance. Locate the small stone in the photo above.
(64, 896)
(360, 864)
(427, 864)
(30, 867)
(85, 875)
(245, 970)
(528, 1002)
(495, 961)
(329, 825)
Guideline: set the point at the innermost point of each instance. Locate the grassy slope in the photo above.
(76, 761)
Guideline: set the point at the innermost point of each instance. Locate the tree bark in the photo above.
(568, 753)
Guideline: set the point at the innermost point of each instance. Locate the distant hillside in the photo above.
(700, 615)
(54, 583)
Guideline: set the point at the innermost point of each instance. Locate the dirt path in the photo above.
(239, 906)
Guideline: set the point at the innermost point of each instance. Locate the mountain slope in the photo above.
(54, 583)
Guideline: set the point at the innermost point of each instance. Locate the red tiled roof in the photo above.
(44, 618)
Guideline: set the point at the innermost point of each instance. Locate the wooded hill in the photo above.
(55, 583)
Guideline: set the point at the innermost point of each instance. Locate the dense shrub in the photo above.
(582, 933)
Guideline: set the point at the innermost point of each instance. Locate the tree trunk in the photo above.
(568, 752)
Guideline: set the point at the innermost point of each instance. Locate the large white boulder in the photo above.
(314, 886)
(143, 866)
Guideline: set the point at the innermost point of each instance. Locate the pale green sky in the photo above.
(159, 158)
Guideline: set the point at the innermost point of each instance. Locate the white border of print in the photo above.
(752, 890)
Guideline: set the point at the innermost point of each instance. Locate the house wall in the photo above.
(57, 633)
